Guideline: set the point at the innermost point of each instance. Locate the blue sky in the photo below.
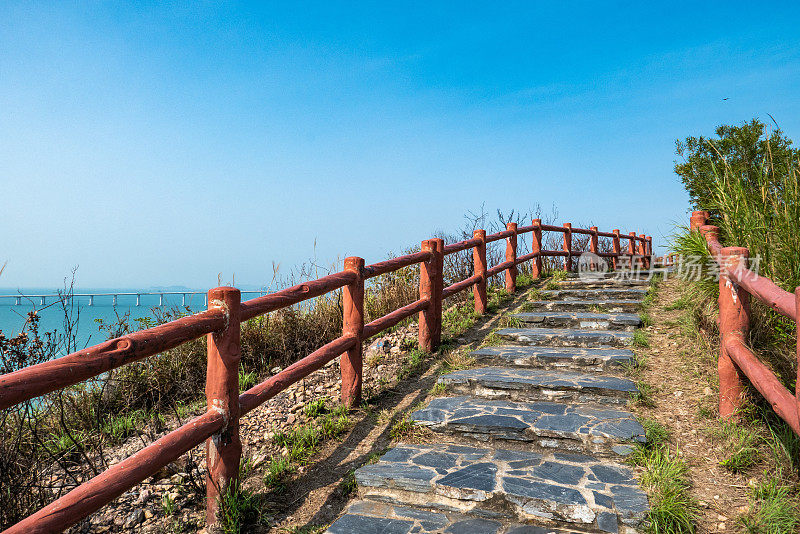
(164, 144)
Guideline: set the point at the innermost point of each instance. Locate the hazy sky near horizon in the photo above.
(164, 143)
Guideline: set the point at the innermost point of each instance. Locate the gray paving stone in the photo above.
(582, 320)
(577, 283)
(576, 358)
(369, 517)
(546, 425)
(506, 485)
(517, 383)
(594, 294)
(567, 337)
(604, 305)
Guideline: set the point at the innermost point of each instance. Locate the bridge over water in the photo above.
(50, 298)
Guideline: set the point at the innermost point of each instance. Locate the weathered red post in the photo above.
(649, 250)
(632, 248)
(615, 244)
(511, 255)
(797, 321)
(536, 246)
(479, 268)
(568, 246)
(697, 220)
(431, 284)
(351, 363)
(643, 251)
(224, 449)
(734, 322)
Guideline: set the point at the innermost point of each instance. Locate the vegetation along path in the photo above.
(534, 438)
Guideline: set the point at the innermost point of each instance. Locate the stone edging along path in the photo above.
(531, 441)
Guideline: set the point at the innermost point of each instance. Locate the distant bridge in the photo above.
(20, 299)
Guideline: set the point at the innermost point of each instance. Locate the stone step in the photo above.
(610, 283)
(521, 384)
(545, 425)
(555, 489)
(599, 306)
(622, 274)
(371, 517)
(567, 337)
(577, 358)
(586, 320)
(626, 293)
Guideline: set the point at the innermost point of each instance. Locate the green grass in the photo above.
(303, 441)
(168, 506)
(348, 484)
(439, 389)
(238, 507)
(459, 318)
(640, 339)
(774, 509)
(247, 379)
(645, 318)
(412, 364)
(741, 446)
(402, 429)
(644, 394)
(278, 471)
(666, 477)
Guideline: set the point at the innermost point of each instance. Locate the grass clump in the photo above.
(666, 478)
(640, 339)
(774, 509)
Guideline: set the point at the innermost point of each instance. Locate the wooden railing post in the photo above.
(479, 268)
(734, 321)
(593, 243)
(697, 220)
(615, 244)
(568, 246)
(649, 250)
(643, 251)
(224, 449)
(632, 249)
(431, 284)
(797, 316)
(351, 364)
(536, 246)
(511, 255)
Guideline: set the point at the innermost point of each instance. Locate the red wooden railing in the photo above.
(737, 284)
(219, 425)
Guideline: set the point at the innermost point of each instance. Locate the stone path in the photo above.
(533, 439)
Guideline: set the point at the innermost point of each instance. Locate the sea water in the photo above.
(102, 309)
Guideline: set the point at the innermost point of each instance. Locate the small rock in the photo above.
(678, 393)
(707, 391)
(136, 517)
(721, 517)
(721, 527)
(291, 418)
(275, 370)
(148, 514)
(144, 496)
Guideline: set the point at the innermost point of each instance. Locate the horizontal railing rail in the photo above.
(737, 283)
(218, 427)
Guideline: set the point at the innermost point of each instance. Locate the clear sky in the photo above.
(156, 144)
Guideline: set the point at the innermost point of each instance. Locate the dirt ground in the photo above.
(686, 388)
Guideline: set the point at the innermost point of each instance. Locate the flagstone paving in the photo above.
(568, 337)
(575, 358)
(606, 305)
(533, 438)
(584, 320)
